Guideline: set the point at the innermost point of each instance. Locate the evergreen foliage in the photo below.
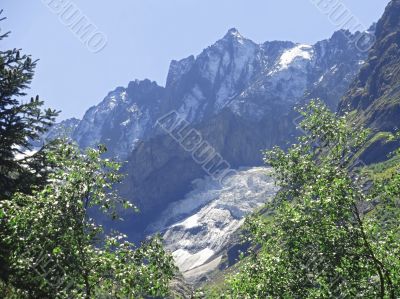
(20, 123)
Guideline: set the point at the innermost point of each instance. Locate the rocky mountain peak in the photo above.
(234, 38)
(177, 69)
(233, 33)
(234, 73)
(382, 65)
(137, 85)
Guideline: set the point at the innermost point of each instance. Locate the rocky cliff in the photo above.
(374, 96)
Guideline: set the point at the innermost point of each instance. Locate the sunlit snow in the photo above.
(197, 228)
(289, 56)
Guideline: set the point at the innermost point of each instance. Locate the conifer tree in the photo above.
(20, 123)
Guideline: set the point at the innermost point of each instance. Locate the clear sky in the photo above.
(145, 35)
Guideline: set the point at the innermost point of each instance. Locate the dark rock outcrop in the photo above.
(375, 93)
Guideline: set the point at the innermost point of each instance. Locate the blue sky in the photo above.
(144, 36)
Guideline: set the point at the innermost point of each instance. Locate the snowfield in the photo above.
(197, 228)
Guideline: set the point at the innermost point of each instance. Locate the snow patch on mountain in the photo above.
(299, 52)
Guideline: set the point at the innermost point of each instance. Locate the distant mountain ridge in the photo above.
(235, 73)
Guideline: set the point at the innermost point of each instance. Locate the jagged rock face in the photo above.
(251, 79)
(197, 229)
(254, 81)
(337, 67)
(209, 82)
(375, 93)
(63, 129)
(125, 117)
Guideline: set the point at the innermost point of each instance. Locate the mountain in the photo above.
(184, 142)
(374, 96)
(239, 96)
(252, 81)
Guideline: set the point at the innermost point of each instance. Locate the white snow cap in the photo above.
(301, 51)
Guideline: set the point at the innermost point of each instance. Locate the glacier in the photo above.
(197, 229)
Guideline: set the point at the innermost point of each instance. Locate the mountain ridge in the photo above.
(193, 81)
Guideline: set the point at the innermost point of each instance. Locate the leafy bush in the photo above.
(59, 251)
(320, 239)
